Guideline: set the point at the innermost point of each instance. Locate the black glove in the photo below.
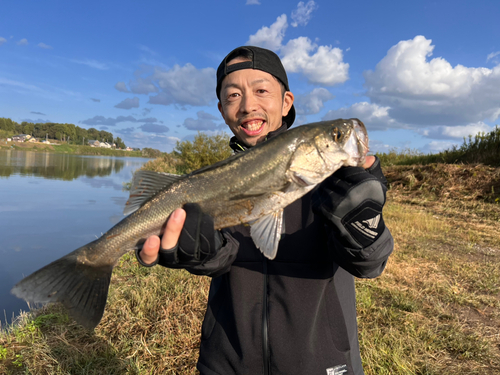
(351, 200)
(198, 242)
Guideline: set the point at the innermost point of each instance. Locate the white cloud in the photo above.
(121, 86)
(435, 147)
(377, 146)
(157, 141)
(184, 85)
(270, 37)
(23, 42)
(492, 55)
(458, 132)
(23, 87)
(302, 14)
(128, 103)
(142, 86)
(204, 121)
(252, 2)
(312, 102)
(91, 63)
(321, 65)
(147, 49)
(373, 116)
(421, 92)
(154, 128)
(44, 46)
(110, 121)
(2, 40)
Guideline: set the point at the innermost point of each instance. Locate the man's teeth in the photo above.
(254, 125)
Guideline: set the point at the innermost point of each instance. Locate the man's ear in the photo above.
(287, 103)
(221, 110)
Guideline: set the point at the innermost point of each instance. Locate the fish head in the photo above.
(343, 141)
(326, 146)
(352, 137)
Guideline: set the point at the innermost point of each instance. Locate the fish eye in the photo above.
(337, 134)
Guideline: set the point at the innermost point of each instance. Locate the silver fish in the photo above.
(250, 187)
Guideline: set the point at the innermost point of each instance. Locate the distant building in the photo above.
(9, 139)
(105, 145)
(94, 144)
(21, 137)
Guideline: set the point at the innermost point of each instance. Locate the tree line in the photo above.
(63, 132)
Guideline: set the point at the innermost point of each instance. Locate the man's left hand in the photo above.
(351, 200)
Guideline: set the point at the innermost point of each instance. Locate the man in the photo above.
(295, 314)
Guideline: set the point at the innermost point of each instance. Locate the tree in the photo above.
(204, 150)
(119, 143)
(28, 128)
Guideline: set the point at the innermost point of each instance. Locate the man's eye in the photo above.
(261, 91)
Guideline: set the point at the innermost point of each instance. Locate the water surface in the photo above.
(51, 204)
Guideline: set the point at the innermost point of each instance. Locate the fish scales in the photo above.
(250, 187)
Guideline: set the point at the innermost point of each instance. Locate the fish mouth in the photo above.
(356, 145)
(253, 127)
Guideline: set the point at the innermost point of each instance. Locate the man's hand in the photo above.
(189, 240)
(352, 200)
(370, 159)
(151, 247)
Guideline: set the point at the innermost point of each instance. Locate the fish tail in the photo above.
(81, 287)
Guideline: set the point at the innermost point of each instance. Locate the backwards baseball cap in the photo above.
(260, 59)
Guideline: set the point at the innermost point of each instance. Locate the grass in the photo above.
(482, 148)
(64, 148)
(435, 309)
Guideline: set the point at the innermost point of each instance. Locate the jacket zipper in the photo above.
(265, 334)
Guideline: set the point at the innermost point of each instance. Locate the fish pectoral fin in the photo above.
(146, 184)
(266, 233)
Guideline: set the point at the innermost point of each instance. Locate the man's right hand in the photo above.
(189, 240)
(151, 247)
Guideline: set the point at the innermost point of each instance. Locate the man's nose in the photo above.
(249, 103)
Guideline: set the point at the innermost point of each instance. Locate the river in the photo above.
(51, 204)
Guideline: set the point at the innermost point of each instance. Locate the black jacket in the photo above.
(295, 314)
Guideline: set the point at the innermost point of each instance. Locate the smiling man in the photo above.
(295, 314)
(252, 102)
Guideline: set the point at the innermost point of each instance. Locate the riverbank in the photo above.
(64, 148)
(435, 309)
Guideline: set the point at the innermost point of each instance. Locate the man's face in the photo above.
(252, 104)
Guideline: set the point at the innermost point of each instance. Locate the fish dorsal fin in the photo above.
(145, 184)
(266, 233)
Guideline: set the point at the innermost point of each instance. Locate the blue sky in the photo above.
(420, 74)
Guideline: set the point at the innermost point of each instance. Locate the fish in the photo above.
(251, 187)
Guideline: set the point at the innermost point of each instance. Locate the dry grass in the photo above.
(435, 310)
(151, 325)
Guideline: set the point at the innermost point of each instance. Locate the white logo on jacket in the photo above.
(337, 370)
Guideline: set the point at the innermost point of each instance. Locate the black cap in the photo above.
(261, 59)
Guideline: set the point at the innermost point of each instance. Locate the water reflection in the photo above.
(51, 204)
(56, 166)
